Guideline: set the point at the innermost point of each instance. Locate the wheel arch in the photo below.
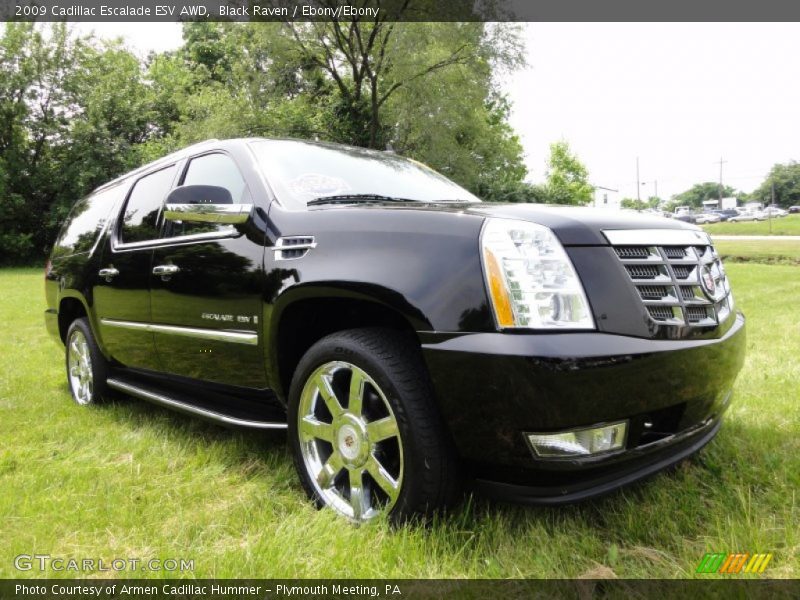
(305, 314)
(71, 306)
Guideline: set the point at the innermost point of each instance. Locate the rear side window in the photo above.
(211, 169)
(86, 220)
(140, 217)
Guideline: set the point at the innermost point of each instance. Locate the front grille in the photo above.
(696, 314)
(661, 313)
(673, 283)
(632, 252)
(675, 252)
(643, 271)
(653, 292)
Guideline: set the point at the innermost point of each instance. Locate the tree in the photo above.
(633, 204)
(567, 178)
(699, 192)
(424, 89)
(74, 114)
(35, 100)
(786, 180)
(370, 61)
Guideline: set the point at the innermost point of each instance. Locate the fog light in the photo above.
(579, 442)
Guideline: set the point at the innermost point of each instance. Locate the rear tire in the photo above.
(365, 433)
(87, 368)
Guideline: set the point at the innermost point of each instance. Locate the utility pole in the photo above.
(721, 162)
(771, 204)
(638, 185)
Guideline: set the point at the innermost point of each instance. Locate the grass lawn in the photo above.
(788, 225)
(134, 480)
(773, 251)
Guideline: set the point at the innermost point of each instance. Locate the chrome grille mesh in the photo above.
(670, 283)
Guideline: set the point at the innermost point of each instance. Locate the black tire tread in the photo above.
(435, 482)
(99, 363)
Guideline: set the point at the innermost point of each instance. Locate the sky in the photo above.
(680, 97)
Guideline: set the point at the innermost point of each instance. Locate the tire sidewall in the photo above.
(98, 367)
(335, 348)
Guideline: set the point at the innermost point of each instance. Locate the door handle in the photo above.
(108, 273)
(166, 270)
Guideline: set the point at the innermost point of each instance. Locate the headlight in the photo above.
(531, 281)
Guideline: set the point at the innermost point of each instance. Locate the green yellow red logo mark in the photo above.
(720, 562)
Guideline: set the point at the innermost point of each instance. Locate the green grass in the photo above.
(773, 251)
(788, 225)
(133, 480)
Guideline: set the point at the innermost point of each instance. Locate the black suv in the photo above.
(410, 337)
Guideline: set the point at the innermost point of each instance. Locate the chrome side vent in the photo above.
(296, 246)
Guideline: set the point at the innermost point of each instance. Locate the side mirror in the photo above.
(205, 204)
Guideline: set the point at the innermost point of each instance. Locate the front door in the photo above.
(206, 290)
(121, 294)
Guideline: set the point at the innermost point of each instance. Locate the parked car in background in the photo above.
(706, 217)
(686, 217)
(748, 215)
(726, 213)
(775, 211)
(794, 210)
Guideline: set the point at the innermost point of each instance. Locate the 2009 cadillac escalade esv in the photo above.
(404, 332)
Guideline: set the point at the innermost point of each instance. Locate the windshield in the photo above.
(302, 172)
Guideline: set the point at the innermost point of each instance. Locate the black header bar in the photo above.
(393, 589)
(400, 10)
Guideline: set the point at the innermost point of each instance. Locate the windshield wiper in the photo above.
(349, 198)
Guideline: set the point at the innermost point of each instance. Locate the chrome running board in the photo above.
(185, 407)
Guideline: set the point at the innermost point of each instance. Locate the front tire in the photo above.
(365, 433)
(87, 369)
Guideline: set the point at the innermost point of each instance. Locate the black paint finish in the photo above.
(408, 265)
(494, 386)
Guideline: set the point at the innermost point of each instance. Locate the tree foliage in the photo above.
(635, 204)
(785, 178)
(76, 111)
(700, 192)
(567, 178)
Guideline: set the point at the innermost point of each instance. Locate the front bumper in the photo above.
(493, 387)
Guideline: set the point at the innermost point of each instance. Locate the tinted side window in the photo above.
(216, 169)
(211, 169)
(140, 217)
(86, 220)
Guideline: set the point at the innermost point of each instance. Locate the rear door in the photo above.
(122, 289)
(206, 289)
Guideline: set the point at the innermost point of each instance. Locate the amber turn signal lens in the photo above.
(498, 290)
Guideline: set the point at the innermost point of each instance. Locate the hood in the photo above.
(573, 225)
(577, 225)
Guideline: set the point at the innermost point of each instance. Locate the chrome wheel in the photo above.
(349, 441)
(79, 365)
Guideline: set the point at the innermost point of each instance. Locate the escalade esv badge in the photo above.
(540, 354)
